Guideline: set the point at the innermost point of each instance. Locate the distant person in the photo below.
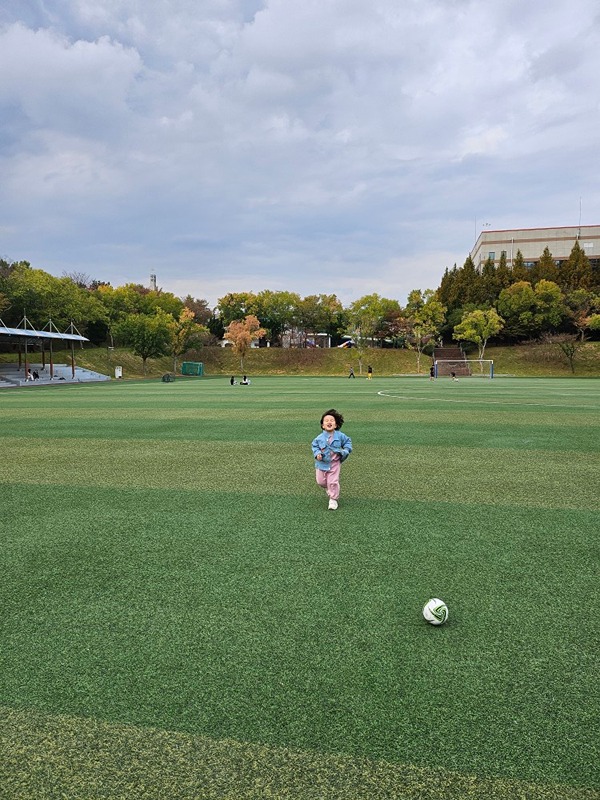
(351, 373)
(432, 373)
(453, 376)
(369, 372)
(36, 375)
(29, 375)
(232, 380)
(245, 381)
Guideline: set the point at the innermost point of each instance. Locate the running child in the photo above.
(330, 448)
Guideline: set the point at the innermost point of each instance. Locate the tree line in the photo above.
(498, 302)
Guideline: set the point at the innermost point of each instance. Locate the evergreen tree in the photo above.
(448, 290)
(519, 271)
(545, 269)
(489, 288)
(502, 273)
(576, 272)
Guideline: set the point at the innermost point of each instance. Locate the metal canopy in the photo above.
(32, 334)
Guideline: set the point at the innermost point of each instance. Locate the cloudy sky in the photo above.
(347, 146)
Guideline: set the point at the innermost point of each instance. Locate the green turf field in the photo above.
(183, 618)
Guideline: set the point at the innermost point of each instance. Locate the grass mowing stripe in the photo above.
(498, 475)
(43, 758)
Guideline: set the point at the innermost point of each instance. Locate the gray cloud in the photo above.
(309, 146)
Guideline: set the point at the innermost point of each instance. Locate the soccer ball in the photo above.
(435, 611)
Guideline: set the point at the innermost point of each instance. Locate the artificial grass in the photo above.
(89, 758)
(192, 581)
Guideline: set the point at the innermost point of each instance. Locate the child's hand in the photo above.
(319, 457)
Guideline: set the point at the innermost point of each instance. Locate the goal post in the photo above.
(464, 367)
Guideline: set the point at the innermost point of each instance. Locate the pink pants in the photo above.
(330, 480)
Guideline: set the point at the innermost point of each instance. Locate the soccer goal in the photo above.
(464, 367)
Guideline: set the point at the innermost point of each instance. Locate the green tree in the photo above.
(489, 286)
(236, 306)
(149, 336)
(185, 334)
(545, 269)
(241, 334)
(322, 313)
(364, 320)
(503, 274)
(576, 271)
(478, 326)
(468, 284)
(422, 320)
(277, 312)
(42, 297)
(550, 305)
(529, 312)
(519, 272)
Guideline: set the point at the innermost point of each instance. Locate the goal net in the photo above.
(464, 367)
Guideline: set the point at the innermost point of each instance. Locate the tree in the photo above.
(581, 304)
(422, 319)
(550, 305)
(236, 306)
(200, 308)
(365, 316)
(321, 313)
(41, 297)
(277, 312)
(185, 334)
(241, 334)
(545, 269)
(478, 326)
(148, 336)
(81, 279)
(576, 272)
(530, 312)
(568, 345)
(519, 271)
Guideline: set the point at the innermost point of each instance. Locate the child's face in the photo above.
(329, 423)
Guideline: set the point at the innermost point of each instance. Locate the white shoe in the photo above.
(333, 504)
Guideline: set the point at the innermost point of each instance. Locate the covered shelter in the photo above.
(26, 336)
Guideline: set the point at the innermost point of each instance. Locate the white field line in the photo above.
(471, 400)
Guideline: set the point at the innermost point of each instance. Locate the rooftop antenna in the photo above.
(579, 230)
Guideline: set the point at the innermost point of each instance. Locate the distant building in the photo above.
(532, 241)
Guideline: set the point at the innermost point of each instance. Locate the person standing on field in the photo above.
(369, 372)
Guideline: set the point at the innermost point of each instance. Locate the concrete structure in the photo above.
(532, 241)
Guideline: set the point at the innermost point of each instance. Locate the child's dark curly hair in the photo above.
(339, 420)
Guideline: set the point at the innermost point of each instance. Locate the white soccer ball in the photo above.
(435, 611)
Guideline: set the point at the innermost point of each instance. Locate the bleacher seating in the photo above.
(12, 375)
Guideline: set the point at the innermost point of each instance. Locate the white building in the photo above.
(532, 241)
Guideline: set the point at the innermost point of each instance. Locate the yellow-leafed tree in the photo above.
(241, 334)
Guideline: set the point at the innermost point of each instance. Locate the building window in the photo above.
(492, 255)
(503, 254)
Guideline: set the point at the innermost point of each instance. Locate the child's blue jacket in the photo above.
(340, 443)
